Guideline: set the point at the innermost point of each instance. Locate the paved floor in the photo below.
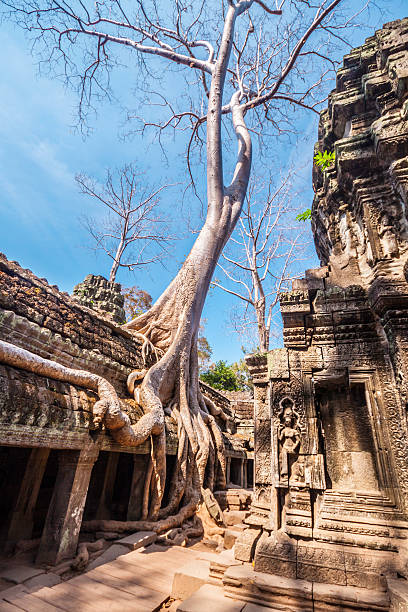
(139, 581)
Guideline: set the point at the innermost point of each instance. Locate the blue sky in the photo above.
(40, 205)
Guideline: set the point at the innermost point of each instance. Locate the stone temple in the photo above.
(331, 433)
(327, 528)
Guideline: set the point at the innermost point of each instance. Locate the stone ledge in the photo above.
(398, 592)
(242, 582)
(211, 598)
(138, 540)
(189, 578)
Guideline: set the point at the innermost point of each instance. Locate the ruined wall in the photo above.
(64, 466)
(41, 319)
(97, 293)
(331, 430)
(359, 216)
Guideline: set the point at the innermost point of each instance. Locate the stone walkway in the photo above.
(139, 581)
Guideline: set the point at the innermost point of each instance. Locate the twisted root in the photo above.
(82, 559)
(107, 408)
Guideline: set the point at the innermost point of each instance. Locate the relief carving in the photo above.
(289, 437)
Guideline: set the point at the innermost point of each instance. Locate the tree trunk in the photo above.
(170, 330)
(172, 325)
(263, 332)
(260, 304)
(116, 261)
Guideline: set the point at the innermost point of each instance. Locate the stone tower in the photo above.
(331, 430)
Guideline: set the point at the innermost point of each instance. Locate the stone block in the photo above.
(398, 592)
(230, 537)
(234, 499)
(245, 544)
(328, 597)
(138, 539)
(320, 563)
(44, 580)
(110, 554)
(235, 517)
(276, 555)
(266, 589)
(20, 573)
(210, 597)
(12, 592)
(367, 569)
(223, 561)
(189, 578)
(278, 364)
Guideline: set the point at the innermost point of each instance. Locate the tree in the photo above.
(137, 301)
(134, 233)
(260, 257)
(204, 349)
(221, 376)
(251, 68)
(243, 376)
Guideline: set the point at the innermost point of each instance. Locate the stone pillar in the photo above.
(60, 534)
(228, 470)
(241, 473)
(104, 510)
(22, 520)
(136, 488)
(245, 473)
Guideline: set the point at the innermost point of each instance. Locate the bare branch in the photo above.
(137, 226)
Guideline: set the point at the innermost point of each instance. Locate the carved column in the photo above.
(228, 470)
(60, 534)
(105, 503)
(136, 487)
(245, 473)
(241, 473)
(22, 520)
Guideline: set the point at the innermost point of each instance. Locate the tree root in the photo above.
(148, 348)
(107, 408)
(157, 526)
(217, 412)
(82, 559)
(172, 382)
(181, 536)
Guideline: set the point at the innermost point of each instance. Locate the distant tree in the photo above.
(134, 232)
(259, 260)
(203, 348)
(243, 376)
(221, 376)
(137, 301)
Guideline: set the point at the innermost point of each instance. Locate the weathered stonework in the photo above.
(331, 431)
(65, 468)
(98, 293)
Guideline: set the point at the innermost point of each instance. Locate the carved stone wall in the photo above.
(359, 213)
(63, 467)
(331, 432)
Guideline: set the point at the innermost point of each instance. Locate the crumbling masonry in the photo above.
(331, 432)
(57, 466)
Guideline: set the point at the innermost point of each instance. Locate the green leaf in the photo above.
(304, 216)
(324, 160)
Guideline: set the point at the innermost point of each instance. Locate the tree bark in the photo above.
(172, 324)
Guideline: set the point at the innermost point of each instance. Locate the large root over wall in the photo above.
(200, 457)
